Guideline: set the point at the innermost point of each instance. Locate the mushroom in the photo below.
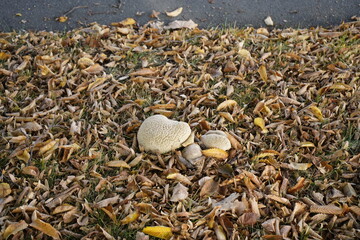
(216, 139)
(159, 134)
(192, 152)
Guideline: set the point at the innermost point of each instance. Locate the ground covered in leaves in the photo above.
(71, 104)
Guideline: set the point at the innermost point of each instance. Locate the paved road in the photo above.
(41, 14)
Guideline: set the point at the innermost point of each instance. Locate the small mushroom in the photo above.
(192, 152)
(216, 139)
(159, 134)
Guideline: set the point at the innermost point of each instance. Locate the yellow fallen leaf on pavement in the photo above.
(159, 232)
(4, 190)
(14, 228)
(175, 12)
(215, 153)
(45, 228)
(62, 19)
(317, 113)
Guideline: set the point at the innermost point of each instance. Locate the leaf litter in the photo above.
(288, 100)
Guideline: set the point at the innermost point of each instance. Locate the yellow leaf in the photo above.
(261, 123)
(4, 56)
(317, 112)
(262, 72)
(62, 19)
(226, 104)
(307, 144)
(175, 12)
(130, 218)
(45, 228)
(266, 153)
(24, 156)
(47, 147)
(118, 163)
(18, 14)
(4, 190)
(14, 228)
(244, 53)
(159, 232)
(128, 21)
(85, 62)
(216, 153)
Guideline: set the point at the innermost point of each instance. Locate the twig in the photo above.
(73, 9)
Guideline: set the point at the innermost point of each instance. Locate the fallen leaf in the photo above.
(62, 19)
(31, 170)
(180, 192)
(317, 113)
(262, 72)
(248, 219)
(307, 144)
(130, 218)
(159, 232)
(299, 185)
(13, 228)
(118, 163)
(4, 190)
(45, 228)
(4, 56)
(179, 177)
(181, 24)
(209, 188)
(261, 123)
(226, 104)
(268, 21)
(143, 72)
(327, 209)
(63, 208)
(175, 12)
(300, 166)
(215, 153)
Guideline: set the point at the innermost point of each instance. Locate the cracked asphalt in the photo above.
(41, 14)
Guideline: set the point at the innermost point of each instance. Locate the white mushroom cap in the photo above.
(159, 134)
(216, 139)
(192, 152)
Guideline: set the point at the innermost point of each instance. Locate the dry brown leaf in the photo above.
(226, 104)
(248, 219)
(5, 190)
(215, 153)
(300, 166)
(118, 163)
(179, 177)
(14, 228)
(327, 209)
(159, 232)
(45, 228)
(94, 69)
(31, 170)
(63, 208)
(4, 56)
(144, 72)
(180, 192)
(175, 13)
(299, 185)
(209, 188)
(307, 144)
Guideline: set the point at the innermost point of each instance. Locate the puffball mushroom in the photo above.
(216, 139)
(158, 134)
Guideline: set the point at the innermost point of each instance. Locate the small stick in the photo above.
(73, 9)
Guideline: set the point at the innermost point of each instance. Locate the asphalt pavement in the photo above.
(42, 14)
